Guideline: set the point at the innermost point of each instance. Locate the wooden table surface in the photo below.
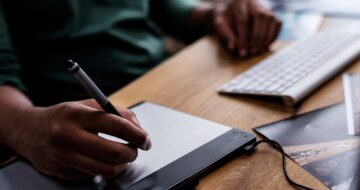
(188, 82)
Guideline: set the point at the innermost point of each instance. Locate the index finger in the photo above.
(126, 113)
(116, 126)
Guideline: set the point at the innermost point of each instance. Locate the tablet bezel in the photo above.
(197, 163)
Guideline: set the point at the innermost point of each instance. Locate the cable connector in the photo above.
(249, 149)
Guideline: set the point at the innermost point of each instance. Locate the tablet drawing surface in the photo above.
(173, 134)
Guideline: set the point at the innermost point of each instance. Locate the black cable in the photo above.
(277, 146)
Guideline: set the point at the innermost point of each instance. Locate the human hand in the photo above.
(245, 27)
(62, 140)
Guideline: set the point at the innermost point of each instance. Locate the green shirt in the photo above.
(114, 41)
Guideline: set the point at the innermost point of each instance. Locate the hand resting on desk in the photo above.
(245, 27)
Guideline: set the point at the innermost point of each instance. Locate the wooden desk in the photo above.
(189, 81)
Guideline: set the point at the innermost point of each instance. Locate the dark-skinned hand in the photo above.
(245, 27)
(62, 140)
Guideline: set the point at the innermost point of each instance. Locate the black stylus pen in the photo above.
(91, 87)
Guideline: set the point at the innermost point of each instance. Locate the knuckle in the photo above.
(55, 133)
(67, 110)
(66, 107)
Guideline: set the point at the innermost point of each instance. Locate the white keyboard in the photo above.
(295, 71)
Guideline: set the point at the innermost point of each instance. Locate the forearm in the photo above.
(13, 104)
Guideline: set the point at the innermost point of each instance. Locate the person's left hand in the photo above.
(245, 27)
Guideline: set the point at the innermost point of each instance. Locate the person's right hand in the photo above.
(62, 140)
(245, 26)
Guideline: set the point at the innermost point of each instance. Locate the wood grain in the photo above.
(189, 81)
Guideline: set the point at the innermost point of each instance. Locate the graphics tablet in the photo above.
(184, 148)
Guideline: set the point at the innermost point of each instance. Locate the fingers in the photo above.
(126, 113)
(252, 26)
(263, 28)
(100, 148)
(69, 146)
(90, 144)
(64, 172)
(263, 31)
(256, 34)
(225, 32)
(124, 129)
(240, 14)
(69, 164)
(95, 167)
(127, 127)
(90, 166)
(275, 27)
(71, 174)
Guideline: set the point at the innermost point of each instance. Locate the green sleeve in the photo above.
(172, 15)
(9, 64)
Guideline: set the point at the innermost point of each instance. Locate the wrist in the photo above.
(23, 120)
(206, 14)
(201, 19)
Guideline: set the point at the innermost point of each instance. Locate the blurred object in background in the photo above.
(341, 24)
(352, 102)
(345, 8)
(297, 25)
